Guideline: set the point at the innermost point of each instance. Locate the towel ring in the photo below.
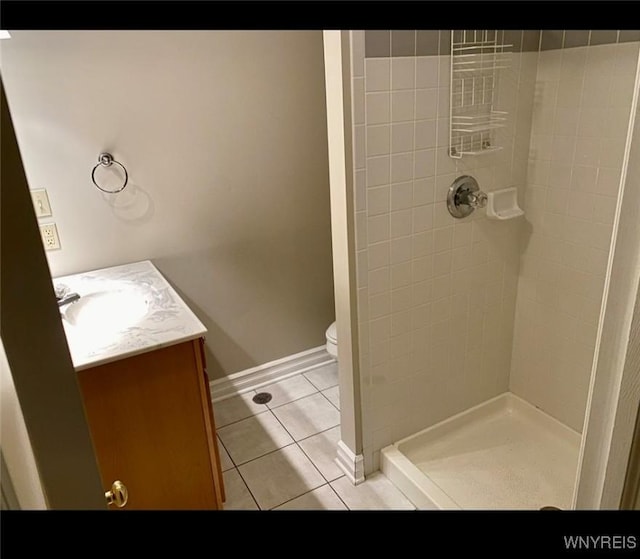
(106, 160)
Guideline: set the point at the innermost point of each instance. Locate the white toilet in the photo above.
(332, 341)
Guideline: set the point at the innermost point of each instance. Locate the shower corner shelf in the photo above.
(476, 59)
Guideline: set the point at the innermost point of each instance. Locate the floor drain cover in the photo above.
(549, 507)
(262, 398)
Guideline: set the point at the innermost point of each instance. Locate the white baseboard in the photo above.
(267, 373)
(351, 464)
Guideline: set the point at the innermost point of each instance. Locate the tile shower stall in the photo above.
(477, 336)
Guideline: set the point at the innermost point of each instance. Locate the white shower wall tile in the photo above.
(403, 72)
(359, 146)
(402, 167)
(377, 73)
(378, 139)
(570, 205)
(377, 256)
(357, 101)
(378, 108)
(403, 105)
(378, 200)
(360, 190)
(357, 53)
(401, 195)
(444, 70)
(402, 135)
(424, 163)
(378, 228)
(377, 170)
(423, 191)
(431, 266)
(425, 134)
(400, 223)
(426, 103)
(427, 71)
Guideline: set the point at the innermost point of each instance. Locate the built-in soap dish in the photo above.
(503, 204)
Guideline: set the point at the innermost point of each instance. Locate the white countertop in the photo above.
(151, 314)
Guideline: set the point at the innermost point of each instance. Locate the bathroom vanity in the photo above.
(138, 352)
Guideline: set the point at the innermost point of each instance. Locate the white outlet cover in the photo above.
(41, 202)
(50, 239)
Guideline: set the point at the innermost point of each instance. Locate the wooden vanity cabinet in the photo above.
(152, 425)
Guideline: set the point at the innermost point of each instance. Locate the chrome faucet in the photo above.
(63, 296)
(70, 298)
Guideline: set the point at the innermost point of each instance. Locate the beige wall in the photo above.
(224, 138)
(580, 121)
(436, 296)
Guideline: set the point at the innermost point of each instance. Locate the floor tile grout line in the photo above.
(271, 410)
(267, 408)
(248, 489)
(321, 389)
(311, 491)
(283, 426)
(308, 436)
(243, 463)
(266, 388)
(237, 466)
(310, 460)
(276, 450)
(258, 458)
(263, 455)
(337, 494)
(237, 470)
(314, 464)
(303, 452)
(298, 401)
(319, 433)
(328, 387)
(330, 400)
(305, 376)
(301, 495)
(327, 482)
(227, 451)
(218, 427)
(355, 485)
(295, 400)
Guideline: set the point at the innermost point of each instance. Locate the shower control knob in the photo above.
(477, 199)
(464, 196)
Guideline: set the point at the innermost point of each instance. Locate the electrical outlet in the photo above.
(41, 203)
(49, 233)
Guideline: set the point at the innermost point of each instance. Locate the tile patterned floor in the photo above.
(281, 455)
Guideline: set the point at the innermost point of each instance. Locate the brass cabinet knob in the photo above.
(118, 495)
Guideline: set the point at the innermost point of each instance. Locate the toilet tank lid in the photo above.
(332, 332)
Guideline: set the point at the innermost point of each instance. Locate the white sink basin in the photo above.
(112, 309)
(123, 311)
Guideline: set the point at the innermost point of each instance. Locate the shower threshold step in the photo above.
(503, 454)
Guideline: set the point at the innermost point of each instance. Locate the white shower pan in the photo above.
(503, 454)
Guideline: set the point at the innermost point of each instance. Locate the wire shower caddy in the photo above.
(477, 57)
